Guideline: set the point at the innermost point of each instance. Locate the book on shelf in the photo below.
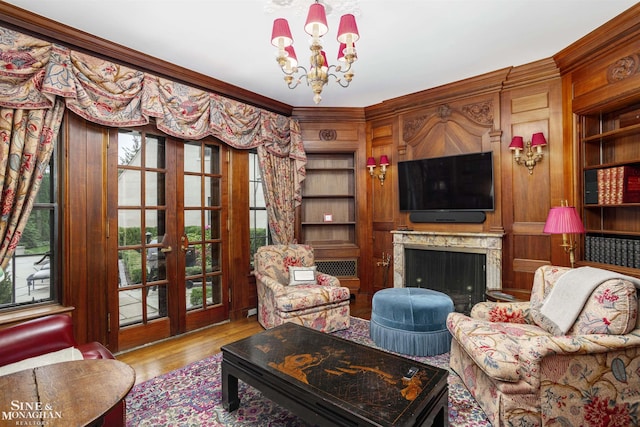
(617, 185)
(621, 251)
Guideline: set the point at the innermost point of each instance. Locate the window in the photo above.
(258, 220)
(30, 275)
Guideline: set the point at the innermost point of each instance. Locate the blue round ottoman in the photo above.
(411, 321)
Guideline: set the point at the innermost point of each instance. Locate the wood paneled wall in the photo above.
(479, 115)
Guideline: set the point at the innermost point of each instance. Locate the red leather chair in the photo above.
(48, 334)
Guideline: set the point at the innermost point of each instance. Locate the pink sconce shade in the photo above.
(563, 220)
(316, 16)
(292, 59)
(538, 140)
(384, 161)
(281, 32)
(371, 162)
(348, 30)
(517, 143)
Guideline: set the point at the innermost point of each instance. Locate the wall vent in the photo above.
(338, 267)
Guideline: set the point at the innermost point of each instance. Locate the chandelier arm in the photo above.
(339, 81)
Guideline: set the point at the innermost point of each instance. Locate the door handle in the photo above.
(185, 243)
(167, 249)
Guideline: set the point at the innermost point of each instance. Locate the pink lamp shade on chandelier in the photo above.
(563, 220)
(316, 17)
(517, 143)
(292, 59)
(348, 30)
(281, 33)
(384, 161)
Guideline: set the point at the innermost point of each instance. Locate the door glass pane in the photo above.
(213, 191)
(212, 160)
(155, 152)
(214, 295)
(129, 143)
(129, 227)
(212, 257)
(129, 267)
(129, 185)
(214, 224)
(192, 225)
(192, 191)
(157, 302)
(192, 157)
(154, 189)
(130, 302)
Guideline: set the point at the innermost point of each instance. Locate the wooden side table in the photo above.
(508, 295)
(77, 393)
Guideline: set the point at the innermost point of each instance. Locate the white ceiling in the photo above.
(405, 46)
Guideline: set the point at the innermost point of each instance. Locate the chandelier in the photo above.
(319, 71)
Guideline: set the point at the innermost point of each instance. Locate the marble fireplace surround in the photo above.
(489, 244)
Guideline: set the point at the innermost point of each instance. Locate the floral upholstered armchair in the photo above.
(523, 368)
(291, 290)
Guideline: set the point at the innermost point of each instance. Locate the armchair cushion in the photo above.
(306, 296)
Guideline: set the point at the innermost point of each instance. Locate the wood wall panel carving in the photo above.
(448, 129)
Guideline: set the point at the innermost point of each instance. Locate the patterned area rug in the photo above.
(192, 396)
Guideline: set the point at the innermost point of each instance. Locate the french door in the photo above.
(167, 224)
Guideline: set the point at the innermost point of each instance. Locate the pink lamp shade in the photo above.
(348, 30)
(517, 143)
(563, 220)
(371, 162)
(281, 33)
(342, 50)
(316, 16)
(384, 161)
(538, 140)
(292, 59)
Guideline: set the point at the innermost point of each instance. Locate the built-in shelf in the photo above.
(610, 140)
(328, 200)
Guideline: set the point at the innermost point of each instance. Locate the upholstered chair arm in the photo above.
(510, 312)
(534, 350)
(273, 285)
(327, 280)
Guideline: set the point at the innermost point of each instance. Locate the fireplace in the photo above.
(462, 265)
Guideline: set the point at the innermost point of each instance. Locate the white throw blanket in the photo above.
(569, 294)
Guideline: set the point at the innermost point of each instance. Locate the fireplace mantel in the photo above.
(486, 243)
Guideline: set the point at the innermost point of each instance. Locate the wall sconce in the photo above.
(538, 141)
(564, 220)
(371, 164)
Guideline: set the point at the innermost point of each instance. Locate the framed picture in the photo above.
(328, 217)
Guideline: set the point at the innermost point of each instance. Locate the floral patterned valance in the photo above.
(34, 72)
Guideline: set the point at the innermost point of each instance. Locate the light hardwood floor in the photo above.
(167, 355)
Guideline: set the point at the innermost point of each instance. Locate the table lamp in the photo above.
(565, 220)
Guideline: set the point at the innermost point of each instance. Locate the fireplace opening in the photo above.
(461, 275)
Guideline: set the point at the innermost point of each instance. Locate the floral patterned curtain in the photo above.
(27, 138)
(34, 73)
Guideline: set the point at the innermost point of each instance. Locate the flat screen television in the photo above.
(453, 183)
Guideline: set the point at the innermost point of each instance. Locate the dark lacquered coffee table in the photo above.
(327, 380)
